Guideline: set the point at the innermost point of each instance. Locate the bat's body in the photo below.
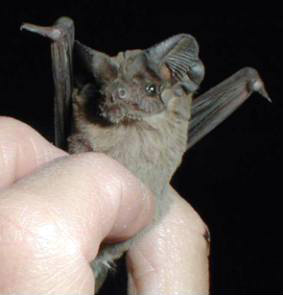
(152, 149)
(138, 108)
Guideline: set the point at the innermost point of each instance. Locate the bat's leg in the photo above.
(215, 105)
(62, 37)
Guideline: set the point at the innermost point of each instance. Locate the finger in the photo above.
(56, 218)
(173, 257)
(22, 150)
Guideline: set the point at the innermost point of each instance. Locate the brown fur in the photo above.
(151, 148)
(139, 116)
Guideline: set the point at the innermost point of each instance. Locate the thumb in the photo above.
(57, 217)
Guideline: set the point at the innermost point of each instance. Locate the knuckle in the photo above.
(10, 122)
(13, 128)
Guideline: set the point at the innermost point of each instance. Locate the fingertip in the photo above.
(22, 149)
(173, 256)
(127, 204)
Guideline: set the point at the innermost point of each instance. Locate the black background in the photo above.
(233, 177)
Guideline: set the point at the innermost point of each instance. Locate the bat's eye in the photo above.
(151, 89)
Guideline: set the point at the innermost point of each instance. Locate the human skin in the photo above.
(56, 209)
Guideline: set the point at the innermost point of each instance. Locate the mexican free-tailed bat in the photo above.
(138, 108)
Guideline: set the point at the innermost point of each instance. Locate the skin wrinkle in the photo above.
(19, 156)
(25, 232)
(80, 277)
(14, 151)
(78, 216)
(163, 248)
(4, 157)
(39, 155)
(121, 198)
(85, 226)
(144, 199)
(48, 234)
(149, 270)
(69, 268)
(76, 227)
(115, 183)
(7, 222)
(31, 220)
(96, 212)
(163, 275)
(6, 164)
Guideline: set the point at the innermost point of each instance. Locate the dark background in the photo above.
(233, 177)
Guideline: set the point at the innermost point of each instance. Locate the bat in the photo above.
(138, 107)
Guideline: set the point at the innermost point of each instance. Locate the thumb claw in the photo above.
(51, 32)
(258, 86)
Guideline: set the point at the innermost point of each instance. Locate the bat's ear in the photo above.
(97, 63)
(177, 59)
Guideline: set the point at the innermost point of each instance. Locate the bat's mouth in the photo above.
(118, 110)
(122, 111)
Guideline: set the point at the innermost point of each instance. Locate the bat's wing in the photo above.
(62, 42)
(215, 105)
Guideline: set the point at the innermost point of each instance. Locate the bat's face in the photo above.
(131, 90)
(140, 83)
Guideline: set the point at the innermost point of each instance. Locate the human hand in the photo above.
(56, 209)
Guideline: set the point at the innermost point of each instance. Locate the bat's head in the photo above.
(139, 83)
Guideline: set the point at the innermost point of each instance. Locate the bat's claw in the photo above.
(255, 84)
(50, 32)
(62, 25)
(214, 106)
(258, 86)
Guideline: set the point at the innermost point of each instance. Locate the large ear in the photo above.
(95, 62)
(179, 54)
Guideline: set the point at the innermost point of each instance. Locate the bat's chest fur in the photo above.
(151, 149)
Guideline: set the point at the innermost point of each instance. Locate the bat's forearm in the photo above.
(215, 105)
(62, 37)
